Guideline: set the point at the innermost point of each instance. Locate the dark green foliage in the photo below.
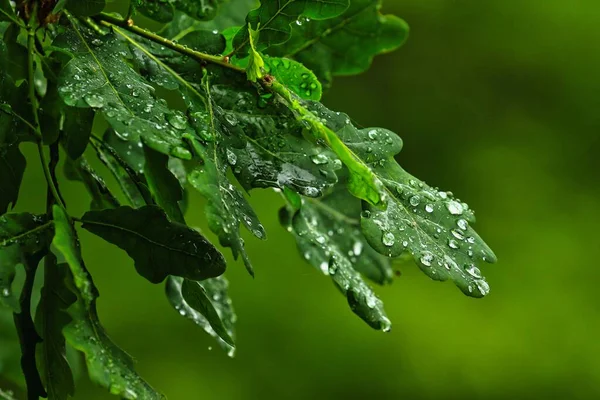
(243, 86)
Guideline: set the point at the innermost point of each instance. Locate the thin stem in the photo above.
(34, 108)
(109, 20)
(12, 18)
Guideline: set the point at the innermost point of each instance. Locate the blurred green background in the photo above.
(496, 100)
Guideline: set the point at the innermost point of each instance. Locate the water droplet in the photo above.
(462, 224)
(366, 214)
(429, 208)
(5, 292)
(415, 200)
(320, 159)
(324, 267)
(388, 239)
(483, 286)
(457, 233)
(94, 101)
(231, 157)
(473, 271)
(177, 120)
(454, 207)
(426, 259)
(372, 134)
(357, 248)
(122, 135)
(452, 244)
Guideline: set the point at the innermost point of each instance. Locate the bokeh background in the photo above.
(496, 100)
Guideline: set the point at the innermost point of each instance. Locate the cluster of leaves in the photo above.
(249, 78)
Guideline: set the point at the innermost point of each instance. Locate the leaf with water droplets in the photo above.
(207, 304)
(50, 319)
(267, 143)
(158, 246)
(164, 10)
(12, 161)
(337, 216)
(80, 170)
(334, 254)
(227, 207)
(119, 155)
(85, 8)
(274, 19)
(24, 238)
(164, 186)
(428, 223)
(231, 14)
(99, 77)
(346, 44)
(107, 364)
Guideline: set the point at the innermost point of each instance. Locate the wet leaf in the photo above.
(50, 319)
(80, 170)
(207, 304)
(107, 364)
(164, 186)
(12, 161)
(98, 77)
(158, 246)
(273, 20)
(311, 227)
(432, 225)
(344, 45)
(24, 239)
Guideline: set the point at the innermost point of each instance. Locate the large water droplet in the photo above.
(320, 159)
(462, 224)
(426, 259)
(473, 271)
(177, 120)
(454, 207)
(415, 200)
(483, 286)
(388, 239)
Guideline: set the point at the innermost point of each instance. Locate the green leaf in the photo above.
(12, 161)
(430, 224)
(231, 14)
(99, 77)
(254, 69)
(6, 11)
(130, 180)
(158, 247)
(295, 77)
(273, 20)
(50, 319)
(207, 304)
(344, 45)
(107, 364)
(85, 8)
(24, 239)
(77, 128)
(80, 170)
(272, 151)
(16, 52)
(337, 214)
(331, 255)
(164, 186)
(164, 10)
(227, 208)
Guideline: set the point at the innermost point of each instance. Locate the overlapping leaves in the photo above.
(243, 113)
